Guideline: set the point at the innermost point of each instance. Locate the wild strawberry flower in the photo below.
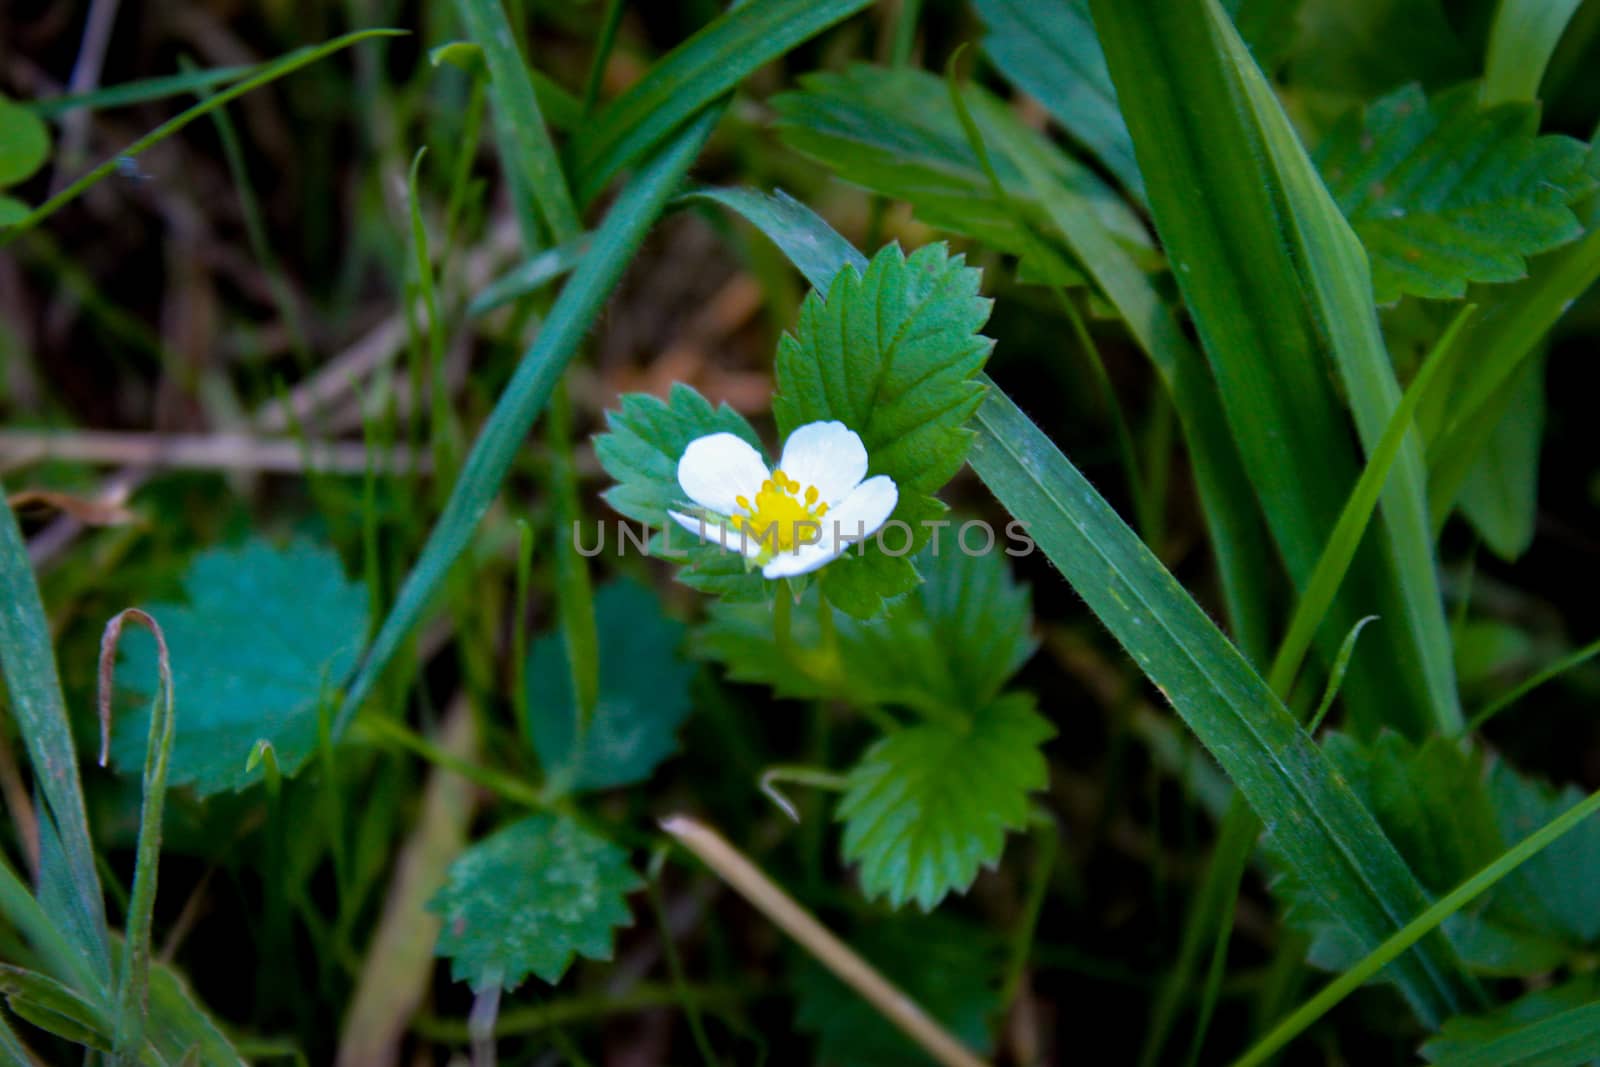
(796, 517)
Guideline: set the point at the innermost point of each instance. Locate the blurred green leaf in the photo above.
(1500, 497)
(897, 133)
(928, 805)
(1348, 48)
(1557, 1027)
(12, 210)
(691, 76)
(1443, 192)
(530, 276)
(264, 639)
(1049, 51)
(1559, 889)
(529, 899)
(940, 963)
(644, 695)
(892, 354)
(24, 142)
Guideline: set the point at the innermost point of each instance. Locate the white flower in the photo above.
(796, 517)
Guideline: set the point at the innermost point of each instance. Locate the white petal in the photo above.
(828, 455)
(717, 469)
(859, 515)
(802, 560)
(716, 533)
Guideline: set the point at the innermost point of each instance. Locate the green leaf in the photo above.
(1324, 830)
(941, 964)
(12, 210)
(951, 646)
(1050, 52)
(530, 898)
(524, 396)
(24, 142)
(644, 695)
(897, 133)
(1274, 279)
(1558, 891)
(892, 354)
(1501, 495)
(530, 276)
(815, 248)
(265, 637)
(1444, 192)
(691, 76)
(930, 804)
(1348, 47)
(1558, 1027)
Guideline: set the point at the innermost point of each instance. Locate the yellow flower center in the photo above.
(784, 515)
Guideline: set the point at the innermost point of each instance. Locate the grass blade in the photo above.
(1521, 41)
(615, 241)
(1237, 537)
(1416, 930)
(692, 75)
(139, 92)
(29, 663)
(1322, 828)
(1228, 184)
(288, 64)
(525, 145)
(133, 987)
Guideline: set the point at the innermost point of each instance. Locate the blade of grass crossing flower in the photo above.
(574, 595)
(133, 986)
(526, 394)
(1322, 827)
(288, 64)
(1522, 39)
(1238, 539)
(35, 688)
(692, 75)
(1417, 929)
(525, 145)
(1214, 177)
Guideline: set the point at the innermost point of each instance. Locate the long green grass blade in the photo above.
(1415, 930)
(29, 663)
(574, 591)
(615, 242)
(525, 145)
(692, 75)
(1322, 828)
(1521, 41)
(288, 64)
(139, 92)
(1277, 286)
(1237, 537)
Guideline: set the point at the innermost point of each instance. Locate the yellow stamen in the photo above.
(783, 514)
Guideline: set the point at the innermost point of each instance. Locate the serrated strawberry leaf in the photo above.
(1443, 192)
(929, 805)
(266, 636)
(893, 354)
(529, 899)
